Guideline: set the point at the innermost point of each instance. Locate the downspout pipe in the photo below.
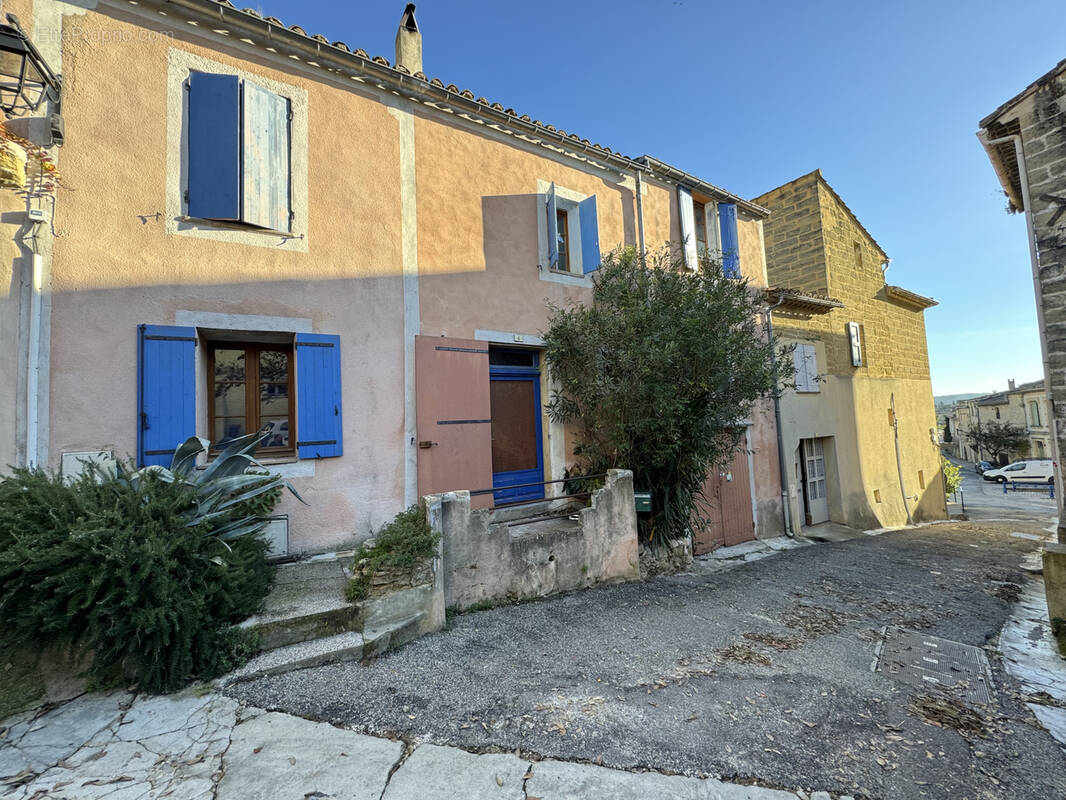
(899, 460)
(1034, 263)
(640, 215)
(786, 507)
(33, 367)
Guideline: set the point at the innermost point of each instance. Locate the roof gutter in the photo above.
(663, 170)
(350, 64)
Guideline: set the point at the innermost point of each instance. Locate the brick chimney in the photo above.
(1010, 381)
(409, 42)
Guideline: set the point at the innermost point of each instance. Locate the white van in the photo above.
(1042, 471)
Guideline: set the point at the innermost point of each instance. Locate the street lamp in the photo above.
(25, 77)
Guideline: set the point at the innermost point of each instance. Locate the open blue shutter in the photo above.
(318, 395)
(166, 391)
(551, 209)
(265, 158)
(727, 223)
(590, 235)
(214, 146)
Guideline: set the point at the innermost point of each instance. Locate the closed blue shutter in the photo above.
(553, 227)
(166, 391)
(590, 235)
(214, 146)
(265, 158)
(318, 395)
(727, 224)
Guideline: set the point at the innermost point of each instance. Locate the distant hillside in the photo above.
(948, 400)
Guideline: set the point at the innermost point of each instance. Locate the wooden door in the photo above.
(726, 508)
(814, 481)
(453, 416)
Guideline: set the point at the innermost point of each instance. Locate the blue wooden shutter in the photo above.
(265, 158)
(166, 391)
(551, 209)
(318, 395)
(727, 224)
(214, 146)
(590, 235)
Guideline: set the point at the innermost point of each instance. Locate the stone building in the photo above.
(859, 429)
(1025, 139)
(1023, 405)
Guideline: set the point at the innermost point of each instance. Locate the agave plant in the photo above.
(233, 477)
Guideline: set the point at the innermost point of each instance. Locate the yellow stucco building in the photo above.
(859, 429)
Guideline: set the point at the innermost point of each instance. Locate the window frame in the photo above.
(562, 225)
(252, 399)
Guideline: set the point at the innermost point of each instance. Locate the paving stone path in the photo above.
(199, 745)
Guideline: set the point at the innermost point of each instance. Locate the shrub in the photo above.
(402, 544)
(147, 570)
(952, 476)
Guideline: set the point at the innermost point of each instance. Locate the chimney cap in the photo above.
(408, 21)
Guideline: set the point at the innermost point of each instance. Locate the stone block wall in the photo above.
(487, 561)
(795, 255)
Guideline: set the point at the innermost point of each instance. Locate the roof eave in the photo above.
(792, 300)
(909, 298)
(1011, 188)
(672, 173)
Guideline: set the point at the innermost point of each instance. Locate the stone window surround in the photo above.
(249, 324)
(179, 64)
(566, 200)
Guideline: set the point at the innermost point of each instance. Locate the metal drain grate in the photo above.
(931, 662)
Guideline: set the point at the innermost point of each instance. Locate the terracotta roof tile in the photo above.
(381, 60)
(402, 68)
(319, 37)
(342, 46)
(361, 53)
(469, 95)
(420, 75)
(252, 12)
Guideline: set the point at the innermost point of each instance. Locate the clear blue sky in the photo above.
(883, 97)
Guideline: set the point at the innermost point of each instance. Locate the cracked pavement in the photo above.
(760, 674)
(199, 745)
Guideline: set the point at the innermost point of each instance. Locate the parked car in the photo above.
(982, 466)
(1030, 471)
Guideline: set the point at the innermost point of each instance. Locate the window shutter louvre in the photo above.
(551, 209)
(319, 429)
(166, 391)
(590, 235)
(799, 365)
(687, 216)
(265, 158)
(727, 223)
(855, 339)
(214, 146)
(810, 363)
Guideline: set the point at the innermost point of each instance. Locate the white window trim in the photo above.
(288, 466)
(179, 65)
(565, 200)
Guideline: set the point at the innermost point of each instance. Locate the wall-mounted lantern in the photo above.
(25, 77)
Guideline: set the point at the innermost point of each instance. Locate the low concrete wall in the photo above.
(1055, 580)
(487, 561)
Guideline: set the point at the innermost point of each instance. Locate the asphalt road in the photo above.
(760, 674)
(986, 499)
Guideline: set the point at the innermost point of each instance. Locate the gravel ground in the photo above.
(760, 674)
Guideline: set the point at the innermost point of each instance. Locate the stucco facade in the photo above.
(838, 430)
(1024, 406)
(416, 211)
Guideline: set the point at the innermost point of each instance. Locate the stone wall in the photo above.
(486, 560)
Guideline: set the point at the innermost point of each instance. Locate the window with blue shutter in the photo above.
(318, 396)
(239, 152)
(727, 223)
(687, 217)
(166, 391)
(590, 235)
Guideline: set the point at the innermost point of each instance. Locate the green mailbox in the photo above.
(642, 500)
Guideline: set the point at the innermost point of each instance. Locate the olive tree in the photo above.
(657, 374)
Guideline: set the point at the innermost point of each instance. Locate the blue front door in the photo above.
(517, 457)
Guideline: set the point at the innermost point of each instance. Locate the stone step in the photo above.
(307, 602)
(349, 646)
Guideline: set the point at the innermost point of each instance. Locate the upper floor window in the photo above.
(239, 152)
(708, 227)
(571, 229)
(805, 360)
(855, 343)
(1034, 413)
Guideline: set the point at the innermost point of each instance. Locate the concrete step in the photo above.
(307, 602)
(349, 646)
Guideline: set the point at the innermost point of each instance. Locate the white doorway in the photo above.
(814, 483)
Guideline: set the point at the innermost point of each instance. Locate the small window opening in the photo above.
(563, 243)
